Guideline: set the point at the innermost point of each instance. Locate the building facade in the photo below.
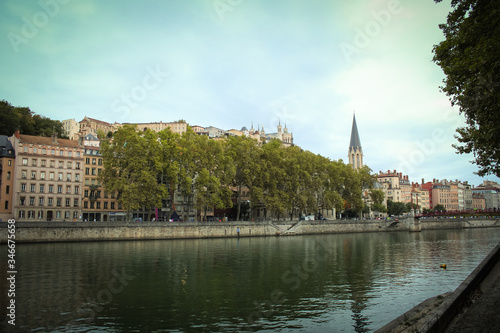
(7, 165)
(48, 178)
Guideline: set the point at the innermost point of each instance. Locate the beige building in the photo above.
(7, 164)
(179, 127)
(98, 205)
(396, 186)
(478, 201)
(71, 128)
(93, 126)
(48, 178)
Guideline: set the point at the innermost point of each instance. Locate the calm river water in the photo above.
(326, 283)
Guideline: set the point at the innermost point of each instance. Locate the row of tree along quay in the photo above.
(146, 168)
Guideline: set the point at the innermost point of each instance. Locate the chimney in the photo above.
(423, 182)
(54, 138)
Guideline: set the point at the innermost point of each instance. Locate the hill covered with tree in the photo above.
(14, 118)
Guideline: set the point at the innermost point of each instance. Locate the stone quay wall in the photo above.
(102, 231)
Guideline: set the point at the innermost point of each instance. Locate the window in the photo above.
(86, 193)
(32, 201)
(7, 189)
(42, 188)
(51, 176)
(31, 214)
(25, 161)
(77, 189)
(42, 175)
(78, 153)
(22, 201)
(10, 162)
(58, 202)
(25, 149)
(40, 214)
(112, 205)
(93, 161)
(41, 201)
(94, 172)
(68, 177)
(99, 161)
(70, 153)
(77, 165)
(68, 189)
(61, 152)
(52, 151)
(61, 164)
(77, 177)
(60, 176)
(58, 214)
(98, 205)
(33, 162)
(51, 188)
(44, 151)
(24, 174)
(85, 204)
(87, 171)
(8, 175)
(66, 214)
(75, 202)
(59, 188)
(23, 187)
(92, 205)
(50, 201)
(105, 205)
(6, 204)
(35, 150)
(33, 174)
(75, 215)
(69, 165)
(98, 194)
(52, 164)
(67, 202)
(22, 214)
(87, 160)
(32, 187)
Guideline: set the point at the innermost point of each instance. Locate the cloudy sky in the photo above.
(230, 63)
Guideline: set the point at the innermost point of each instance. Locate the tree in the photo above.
(439, 208)
(132, 166)
(395, 207)
(469, 59)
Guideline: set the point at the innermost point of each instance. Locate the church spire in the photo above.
(355, 150)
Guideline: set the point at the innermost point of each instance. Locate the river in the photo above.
(323, 283)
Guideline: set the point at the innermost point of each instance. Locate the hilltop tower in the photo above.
(355, 150)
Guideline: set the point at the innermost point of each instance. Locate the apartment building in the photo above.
(396, 186)
(179, 127)
(98, 205)
(7, 162)
(47, 178)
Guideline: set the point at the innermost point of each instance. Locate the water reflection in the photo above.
(340, 283)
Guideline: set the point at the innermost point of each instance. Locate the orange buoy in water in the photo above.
(443, 266)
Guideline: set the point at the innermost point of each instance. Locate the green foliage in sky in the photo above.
(147, 168)
(469, 57)
(27, 122)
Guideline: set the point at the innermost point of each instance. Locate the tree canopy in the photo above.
(469, 59)
(147, 168)
(27, 122)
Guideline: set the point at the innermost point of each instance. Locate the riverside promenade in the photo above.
(473, 307)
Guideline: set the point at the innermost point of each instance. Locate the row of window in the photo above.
(32, 214)
(97, 205)
(50, 188)
(94, 161)
(42, 201)
(60, 175)
(52, 163)
(52, 151)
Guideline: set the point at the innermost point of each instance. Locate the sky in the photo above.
(309, 64)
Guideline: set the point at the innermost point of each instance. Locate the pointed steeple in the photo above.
(355, 142)
(355, 150)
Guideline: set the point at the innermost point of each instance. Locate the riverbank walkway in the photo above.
(483, 315)
(473, 307)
